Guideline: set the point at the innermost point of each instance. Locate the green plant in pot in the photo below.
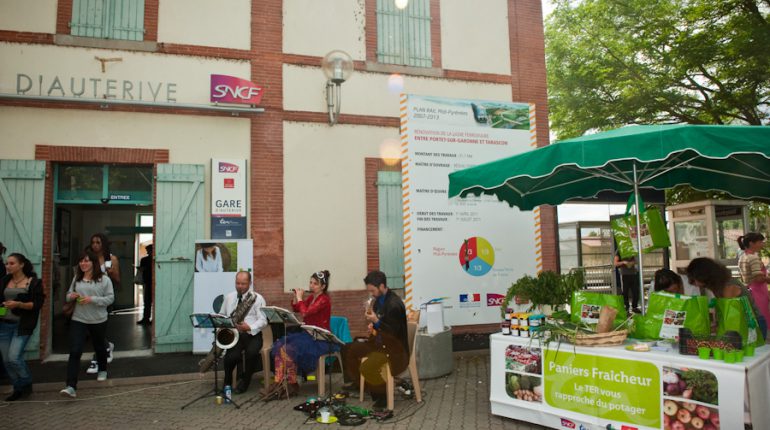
(548, 288)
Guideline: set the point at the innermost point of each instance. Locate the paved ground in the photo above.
(456, 401)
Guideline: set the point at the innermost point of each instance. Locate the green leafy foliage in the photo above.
(613, 63)
(548, 288)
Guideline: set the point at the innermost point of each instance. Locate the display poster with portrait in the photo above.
(466, 251)
(216, 263)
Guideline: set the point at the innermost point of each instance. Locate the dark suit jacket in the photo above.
(392, 331)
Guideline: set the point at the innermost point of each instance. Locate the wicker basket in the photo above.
(601, 339)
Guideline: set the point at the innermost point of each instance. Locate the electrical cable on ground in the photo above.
(106, 396)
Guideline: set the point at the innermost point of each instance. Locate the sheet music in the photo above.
(211, 321)
(275, 314)
(321, 333)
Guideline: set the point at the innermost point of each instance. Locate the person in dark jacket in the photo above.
(22, 298)
(145, 264)
(387, 341)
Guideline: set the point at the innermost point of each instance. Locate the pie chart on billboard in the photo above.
(476, 256)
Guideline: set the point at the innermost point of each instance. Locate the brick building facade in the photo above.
(277, 44)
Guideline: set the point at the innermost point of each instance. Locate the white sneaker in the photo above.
(68, 392)
(102, 376)
(109, 351)
(93, 367)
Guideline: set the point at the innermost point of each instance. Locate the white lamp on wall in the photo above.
(338, 67)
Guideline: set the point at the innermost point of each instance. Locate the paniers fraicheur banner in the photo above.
(466, 251)
(566, 386)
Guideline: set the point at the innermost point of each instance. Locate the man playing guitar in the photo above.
(387, 342)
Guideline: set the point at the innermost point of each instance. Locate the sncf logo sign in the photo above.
(495, 299)
(229, 89)
(228, 168)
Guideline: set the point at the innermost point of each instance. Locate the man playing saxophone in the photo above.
(250, 321)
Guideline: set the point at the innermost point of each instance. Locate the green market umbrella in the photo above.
(733, 159)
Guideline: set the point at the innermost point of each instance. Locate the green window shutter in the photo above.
(391, 227)
(22, 205)
(110, 19)
(417, 18)
(389, 33)
(127, 20)
(403, 36)
(88, 18)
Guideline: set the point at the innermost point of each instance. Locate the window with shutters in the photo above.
(108, 19)
(391, 227)
(403, 35)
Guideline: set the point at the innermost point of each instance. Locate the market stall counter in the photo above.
(573, 387)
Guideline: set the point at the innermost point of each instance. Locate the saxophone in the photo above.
(226, 338)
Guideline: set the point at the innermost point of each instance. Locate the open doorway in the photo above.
(125, 218)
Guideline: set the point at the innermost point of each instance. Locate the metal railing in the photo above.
(601, 278)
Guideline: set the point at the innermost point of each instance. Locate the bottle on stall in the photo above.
(228, 393)
(505, 327)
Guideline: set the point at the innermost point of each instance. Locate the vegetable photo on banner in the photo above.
(654, 234)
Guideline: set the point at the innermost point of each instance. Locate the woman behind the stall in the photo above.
(668, 281)
(754, 272)
(707, 273)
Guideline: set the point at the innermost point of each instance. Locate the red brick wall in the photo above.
(63, 16)
(151, 20)
(266, 208)
(435, 33)
(528, 84)
(25, 37)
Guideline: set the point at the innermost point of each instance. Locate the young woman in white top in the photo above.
(109, 265)
(92, 291)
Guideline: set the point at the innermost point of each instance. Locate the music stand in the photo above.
(275, 314)
(214, 322)
(321, 334)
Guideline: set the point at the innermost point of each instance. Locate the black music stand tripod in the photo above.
(214, 322)
(321, 334)
(274, 314)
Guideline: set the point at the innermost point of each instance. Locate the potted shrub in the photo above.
(548, 290)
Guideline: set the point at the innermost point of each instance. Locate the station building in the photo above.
(109, 126)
